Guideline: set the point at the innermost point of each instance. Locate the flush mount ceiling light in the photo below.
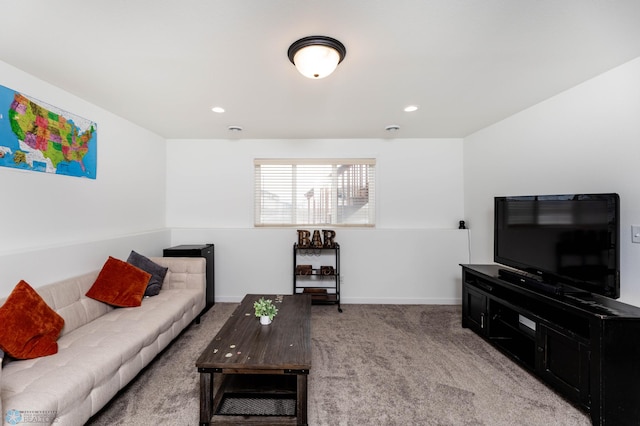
(316, 56)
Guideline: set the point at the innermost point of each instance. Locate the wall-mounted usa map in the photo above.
(40, 137)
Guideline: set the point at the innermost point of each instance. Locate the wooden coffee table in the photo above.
(258, 373)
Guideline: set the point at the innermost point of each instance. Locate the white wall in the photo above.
(45, 215)
(415, 266)
(210, 182)
(57, 262)
(411, 256)
(585, 140)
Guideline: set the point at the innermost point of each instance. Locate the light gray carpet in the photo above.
(372, 365)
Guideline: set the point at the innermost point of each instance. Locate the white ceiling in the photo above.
(467, 63)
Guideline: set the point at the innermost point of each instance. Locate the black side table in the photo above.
(198, 250)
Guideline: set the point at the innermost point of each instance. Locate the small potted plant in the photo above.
(266, 310)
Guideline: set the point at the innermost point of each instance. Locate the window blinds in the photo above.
(338, 192)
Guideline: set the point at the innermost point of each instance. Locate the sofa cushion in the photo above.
(157, 272)
(30, 328)
(119, 284)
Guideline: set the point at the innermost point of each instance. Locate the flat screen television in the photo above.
(565, 241)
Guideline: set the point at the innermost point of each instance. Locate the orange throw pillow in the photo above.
(30, 328)
(119, 284)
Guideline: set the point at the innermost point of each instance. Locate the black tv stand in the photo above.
(583, 345)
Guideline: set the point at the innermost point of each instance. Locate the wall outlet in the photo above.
(635, 233)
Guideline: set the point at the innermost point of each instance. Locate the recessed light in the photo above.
(411, 108)
(219, 110)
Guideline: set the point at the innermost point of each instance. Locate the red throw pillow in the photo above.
(30, 328)
(119, 284)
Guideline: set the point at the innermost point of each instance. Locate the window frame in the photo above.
(368, 217)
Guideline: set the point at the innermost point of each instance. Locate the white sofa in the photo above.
(100, 348)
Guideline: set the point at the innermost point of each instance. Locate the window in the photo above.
(314, 192)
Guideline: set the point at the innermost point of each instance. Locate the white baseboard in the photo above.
(398, 301)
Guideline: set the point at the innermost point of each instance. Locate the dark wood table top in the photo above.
(244, 345)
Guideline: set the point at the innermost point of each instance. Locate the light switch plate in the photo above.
(635, 233)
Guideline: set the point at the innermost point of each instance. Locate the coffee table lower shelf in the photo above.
(252, 420)
(265, 399)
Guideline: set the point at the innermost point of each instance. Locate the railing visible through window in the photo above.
(295, 192)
